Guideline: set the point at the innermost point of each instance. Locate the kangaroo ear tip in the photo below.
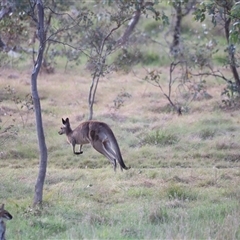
(64, 121)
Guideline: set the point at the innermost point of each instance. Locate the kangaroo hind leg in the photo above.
(109, 149)
(103, 148)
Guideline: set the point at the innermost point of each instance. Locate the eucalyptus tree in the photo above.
(13, 23)
(113, 22)
(38, 9)
(227, 15)
(182, 9)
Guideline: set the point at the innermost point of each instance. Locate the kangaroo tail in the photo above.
(116, 148)
(122, 164)
(119, 156)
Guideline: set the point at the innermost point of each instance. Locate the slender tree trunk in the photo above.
(40, 133)
(92, 94)
(231, 47)
(91, 97)
(132, 24)
(177, 29)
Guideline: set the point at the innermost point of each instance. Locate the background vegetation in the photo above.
(184, 176)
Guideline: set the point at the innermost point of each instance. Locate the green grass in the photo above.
(88, 203)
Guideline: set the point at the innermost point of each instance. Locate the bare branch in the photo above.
(154, 80)
(214, 74)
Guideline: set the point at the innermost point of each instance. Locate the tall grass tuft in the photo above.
(160, 137)
(159, 215)
(180, 193)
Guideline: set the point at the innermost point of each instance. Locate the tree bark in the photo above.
(133, 22)
(176, 35)
(231, 47)
(182, 9)
(38, 114)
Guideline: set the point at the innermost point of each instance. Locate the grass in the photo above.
(184, 176)
(131, 205)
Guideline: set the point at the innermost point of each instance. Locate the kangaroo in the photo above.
(4, 215)
(99, 135)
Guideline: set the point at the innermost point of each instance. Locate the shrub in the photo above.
(151, 58)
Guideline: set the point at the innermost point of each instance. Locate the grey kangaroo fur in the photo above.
(4, 215)
(99, 135)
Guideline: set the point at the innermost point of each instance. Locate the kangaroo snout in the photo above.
(62, 131)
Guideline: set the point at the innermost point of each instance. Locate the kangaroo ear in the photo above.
(67, 120)
(63, 121)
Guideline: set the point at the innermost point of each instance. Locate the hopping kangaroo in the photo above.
(4, 215)
(101, 137)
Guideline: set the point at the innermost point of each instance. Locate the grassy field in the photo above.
(184, 177)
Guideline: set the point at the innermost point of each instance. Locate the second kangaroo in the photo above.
(4, 215)
(99, 135)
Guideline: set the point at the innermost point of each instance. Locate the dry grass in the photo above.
(184, 181)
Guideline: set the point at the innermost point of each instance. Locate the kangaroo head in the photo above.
(4, 215)
(63, 130)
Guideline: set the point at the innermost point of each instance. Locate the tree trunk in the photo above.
(231, 47)
(92, 94)
(38, 114)
(132, 24)
(174, 49)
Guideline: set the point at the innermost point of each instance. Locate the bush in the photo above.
(151, 59)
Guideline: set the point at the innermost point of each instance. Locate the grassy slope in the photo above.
(184, 181)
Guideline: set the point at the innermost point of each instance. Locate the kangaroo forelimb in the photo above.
(78, 153)
(80, 150)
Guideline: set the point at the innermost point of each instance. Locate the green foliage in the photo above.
(230, 94)
(165, 19)
(235, 15)
(203, 8)
(214, 8)
(152, 28)
(151, 58)
(14, 29)
(125, 60)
